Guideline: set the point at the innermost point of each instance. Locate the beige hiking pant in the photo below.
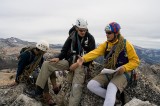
(77, 86)
(119, 80)
(77, 79)
(47, 70)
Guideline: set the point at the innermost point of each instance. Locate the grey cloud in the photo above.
(51, 32)
(36, 19)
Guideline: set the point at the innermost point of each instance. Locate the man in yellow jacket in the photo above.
(120, 59)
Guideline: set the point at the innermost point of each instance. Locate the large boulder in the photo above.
(137, 102)
(24, 100)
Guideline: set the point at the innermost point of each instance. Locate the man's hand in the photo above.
(120, 70)
(55, 60)
(73, 66)
(77, 64)
(80, 60)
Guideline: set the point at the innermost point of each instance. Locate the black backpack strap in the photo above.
(106, 50)
(79, 45)
(125, 42)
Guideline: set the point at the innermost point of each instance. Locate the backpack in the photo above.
(34, 73)
(73, 29)
(24, 49)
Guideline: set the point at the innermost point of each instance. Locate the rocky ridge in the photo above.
(146, 93)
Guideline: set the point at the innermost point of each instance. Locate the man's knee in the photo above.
(76, 91)
(45, 63)
(93, 84)
(89, 85)
(77, 87)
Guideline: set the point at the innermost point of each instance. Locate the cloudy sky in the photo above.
(33, 20)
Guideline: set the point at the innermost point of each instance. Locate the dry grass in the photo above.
(6, 78)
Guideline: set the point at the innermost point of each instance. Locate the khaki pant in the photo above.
(47, 70)
(77, 79)
(119, 80)
(77, 86)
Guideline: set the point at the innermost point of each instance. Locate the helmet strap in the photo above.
(115, 37)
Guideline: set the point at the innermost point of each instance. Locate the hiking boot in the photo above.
(34, 94)
(118, 103)
(48, 99)
(57, 89)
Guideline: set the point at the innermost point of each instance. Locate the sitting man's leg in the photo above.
(110, 95)
(95, 87)
(77, 85)
(98, 85)
(47, 69)
(47, 96)
(118, 82)
(55, 87)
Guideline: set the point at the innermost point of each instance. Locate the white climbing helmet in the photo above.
(43, 45)
(81, 23)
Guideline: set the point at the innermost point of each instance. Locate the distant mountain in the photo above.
(150, 56)
(15, 42)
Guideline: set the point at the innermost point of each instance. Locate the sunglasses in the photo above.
(82, 30)
(108, 33)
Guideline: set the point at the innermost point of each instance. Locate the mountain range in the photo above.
(150, 56)
(147, 88)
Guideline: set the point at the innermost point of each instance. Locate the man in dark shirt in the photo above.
(29, 60)
(79, 42)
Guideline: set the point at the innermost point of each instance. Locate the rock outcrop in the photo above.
(137, 102)
(147, 91)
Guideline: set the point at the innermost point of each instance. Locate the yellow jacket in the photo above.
(100, 51)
